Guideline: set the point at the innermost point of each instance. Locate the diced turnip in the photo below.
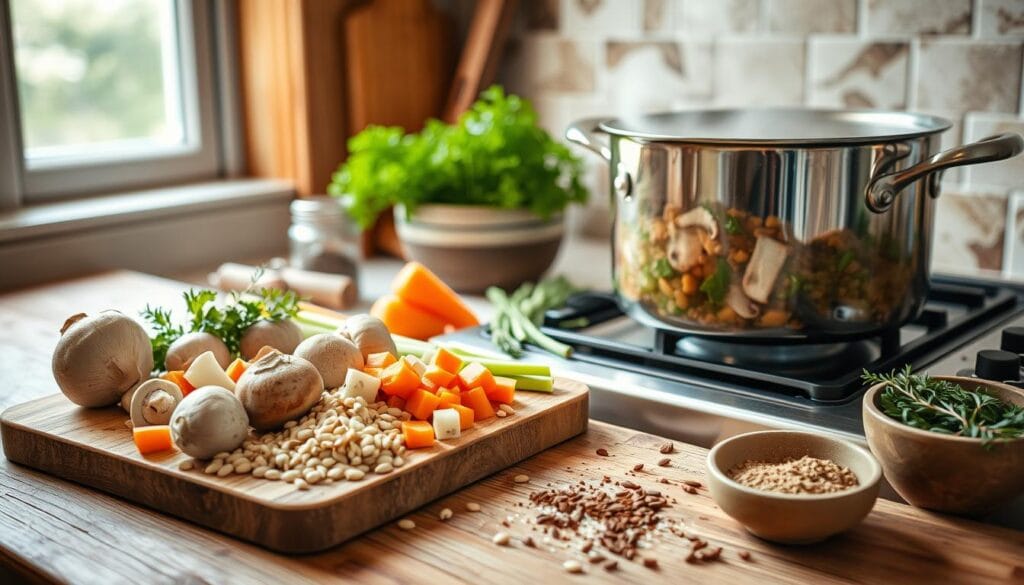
(416, 364)
(361, 385)
(446, 424)
(206, 371)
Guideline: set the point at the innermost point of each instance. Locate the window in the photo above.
(107, 94)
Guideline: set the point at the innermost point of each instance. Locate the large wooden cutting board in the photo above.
(95, 448)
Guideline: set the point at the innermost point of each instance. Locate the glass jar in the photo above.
(322, 238)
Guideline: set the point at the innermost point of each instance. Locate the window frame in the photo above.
(204, 76)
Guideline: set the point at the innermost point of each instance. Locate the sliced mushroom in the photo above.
(699, 217)
(739, 302)
(765, 264)
(153, 402)
(684, 248)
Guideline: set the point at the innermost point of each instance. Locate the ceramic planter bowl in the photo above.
(792, 518)
(942, 472)
(473, 247)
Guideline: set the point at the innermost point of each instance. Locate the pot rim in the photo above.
(866, 484)
(914, 125)
(871, 408)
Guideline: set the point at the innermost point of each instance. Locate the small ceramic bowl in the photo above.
(792, 518)
(946, 473)
(474, 247)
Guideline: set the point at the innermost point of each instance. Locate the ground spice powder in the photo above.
(806, 475)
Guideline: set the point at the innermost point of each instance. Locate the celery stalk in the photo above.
(535, 383)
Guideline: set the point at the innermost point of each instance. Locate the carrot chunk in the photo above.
(466, 415)
(421, 404)
(178, 377)
(418, 434)
(477, 400)
(396, 402)
(402, 318)
(152, 439)
(417, 285)
(504, 390)
(448, 398)
(474, 375)
(399, 379)
(437, 376)
(380, 360)
(446, 360)
(236, 369)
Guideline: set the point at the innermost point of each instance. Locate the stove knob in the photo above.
(998, 365)
(1013, 340)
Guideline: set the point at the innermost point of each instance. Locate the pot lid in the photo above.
(774, 126)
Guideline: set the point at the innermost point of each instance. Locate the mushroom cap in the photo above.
(283, 336)
(207, 421)
(699, 217)
(278, 388)
(191, 345)
(158, 411)
(684, 248)
(369, 333)
(332, 355)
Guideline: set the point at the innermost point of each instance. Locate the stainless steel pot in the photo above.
(778, 223)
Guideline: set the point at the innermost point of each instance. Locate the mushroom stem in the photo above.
(158, 406)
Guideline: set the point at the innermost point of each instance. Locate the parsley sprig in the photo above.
(941, 406)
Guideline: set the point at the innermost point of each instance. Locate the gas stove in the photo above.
(702, 390)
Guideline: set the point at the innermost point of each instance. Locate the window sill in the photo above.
(155, 231)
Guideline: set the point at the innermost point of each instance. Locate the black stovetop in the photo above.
(956, 310)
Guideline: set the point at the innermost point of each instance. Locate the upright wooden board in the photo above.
(94, 447)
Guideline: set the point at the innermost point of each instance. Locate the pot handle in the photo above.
(882, 190)
(584, 132)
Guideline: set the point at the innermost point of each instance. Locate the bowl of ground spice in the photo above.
(793, 487)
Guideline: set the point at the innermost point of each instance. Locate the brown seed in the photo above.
(630, 485)
(745, 555)
(664, 462)
(587, 546)
(692, 483)
(689, 489)
(595, 557)
(611, 566)
(666, 448)
(528, 541)
(651, 563)
(638, 467)
(602, 452)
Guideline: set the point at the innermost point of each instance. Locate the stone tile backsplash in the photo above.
(959, 59)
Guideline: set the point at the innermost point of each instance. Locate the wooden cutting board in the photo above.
(95, 448)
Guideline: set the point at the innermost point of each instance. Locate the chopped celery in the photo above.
(535, 383)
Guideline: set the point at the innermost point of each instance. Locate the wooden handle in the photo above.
(478, 65)
(335, 291)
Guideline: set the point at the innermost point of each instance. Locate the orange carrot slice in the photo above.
(418, 286)
(152, 439)
(402, 318)
(475, 374)
(504, 390)
(466, 415)
(437, 376)
(418, 434)
(421, 404)
(380, 360)
(477, 400)
(178, 377)
(448, 398)
(236, 369)
(399, 379)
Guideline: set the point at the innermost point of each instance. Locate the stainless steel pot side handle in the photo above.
(882, 190)
(585, 133)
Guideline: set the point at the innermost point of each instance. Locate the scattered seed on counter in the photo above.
(500, 539)
(745, 555)
(630, 485)
(187, 465)
(406, 524)
(611, 566)
(690, 489)
(521, 478)
(225, 470)
(572, 566)
(602, 452)
(666, 448)
(473, 507)
(528, 541)
(587, 545)
(446, 514)
(500, 414)
(507, 409)
(301, 484)
(650, 563)
(638, 467)
(595, 557)
(692, 483)
(665, 462)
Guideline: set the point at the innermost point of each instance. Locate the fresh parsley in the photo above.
(495, 155)
(733, 226)
(717, 285)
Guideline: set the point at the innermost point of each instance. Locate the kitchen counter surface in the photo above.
(55, 531)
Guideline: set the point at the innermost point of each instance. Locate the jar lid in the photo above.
(776, 126)
(318, 206)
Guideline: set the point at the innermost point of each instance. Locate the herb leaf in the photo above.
(717, 285)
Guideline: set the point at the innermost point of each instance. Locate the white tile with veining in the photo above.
(1008, 173)
(536, 64)
(648, 76)
(1002, 18)
(919, 17)
(812, 16)
(758, 72)
(1013, 252)
(712, 17)
(857, 74)
(584, 17)
(969, 75)
(969, 232)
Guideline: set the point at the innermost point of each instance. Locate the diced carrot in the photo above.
(446, 360)
(402, 318)
(475, 374)
(380, 360)
(448, 398)
(178, 377)
(375, 372)
(504, 390)
(466, 415)
(416, 364)
(477, 400)
(421, 404)
(438, 376)
(236, 369)
(399, 379)
(430, 386)
(418, 434)
(152, 438)
(396, 402)
(420, 287)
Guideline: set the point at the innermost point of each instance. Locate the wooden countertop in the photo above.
(54, 531)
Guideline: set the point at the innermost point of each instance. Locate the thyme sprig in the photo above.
(941, 406)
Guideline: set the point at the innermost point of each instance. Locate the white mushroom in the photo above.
(153, 401)
(332, 355)
(739, 302)
(284, 336)
(763, 269)
(278, 388)
(191, 345)
(209, 420)
(699, 217)
(369, 333)
(684, 248)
